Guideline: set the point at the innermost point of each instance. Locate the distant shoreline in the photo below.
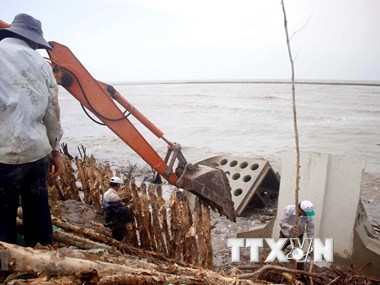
(311, 82)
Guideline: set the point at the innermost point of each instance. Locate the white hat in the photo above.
(307, 207)
(27, 27)
(116, 180)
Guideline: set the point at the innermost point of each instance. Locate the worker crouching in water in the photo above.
(117, 216)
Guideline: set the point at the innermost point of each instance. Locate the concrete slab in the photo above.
(366, 252)
(332, 183)
(253, 181)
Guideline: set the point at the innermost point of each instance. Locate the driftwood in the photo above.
(342, 277)
(80, 242)
(259, 271)
(101, 255)
(124, 248)
(55, 262)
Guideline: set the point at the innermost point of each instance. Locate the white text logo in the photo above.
(300, 251)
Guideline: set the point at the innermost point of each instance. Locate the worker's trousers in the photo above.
(300, 266)
(300, 237)
(25, 183)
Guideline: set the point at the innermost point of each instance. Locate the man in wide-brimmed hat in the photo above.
(29, 29)
(30, 131)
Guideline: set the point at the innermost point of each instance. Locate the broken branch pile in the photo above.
(77, 267)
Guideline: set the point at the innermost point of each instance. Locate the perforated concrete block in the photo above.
(253, 181)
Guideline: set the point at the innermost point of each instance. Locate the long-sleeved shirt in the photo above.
(30, 124)
(111, 195)
(288, 220)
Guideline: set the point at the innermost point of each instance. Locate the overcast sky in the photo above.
(140, 40)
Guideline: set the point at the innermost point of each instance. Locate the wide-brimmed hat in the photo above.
(27, 27)
(308, 208)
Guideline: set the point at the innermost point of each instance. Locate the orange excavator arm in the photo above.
(3, 25)
(209, 184)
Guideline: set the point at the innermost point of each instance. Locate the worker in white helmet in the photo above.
(117, 216)
(305, 221)
(289, 227)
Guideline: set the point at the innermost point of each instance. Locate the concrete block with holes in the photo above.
(254, 184)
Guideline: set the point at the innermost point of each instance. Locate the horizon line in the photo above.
(253, 81)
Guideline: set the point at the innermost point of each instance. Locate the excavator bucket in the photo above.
(211, 186)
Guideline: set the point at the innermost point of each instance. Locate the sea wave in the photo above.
(251, 120)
